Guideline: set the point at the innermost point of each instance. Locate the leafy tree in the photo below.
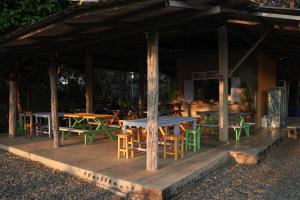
(17, 13)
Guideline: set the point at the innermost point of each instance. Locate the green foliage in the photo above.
(17, 13)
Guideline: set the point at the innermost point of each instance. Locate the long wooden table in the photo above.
(98, 120)
(38, 116)
(164, 121)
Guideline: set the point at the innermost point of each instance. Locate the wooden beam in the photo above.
(152, 103)
(261, 14)
(259, 41)
(223, 84)
(89, 83)
(12, 119)
(200, 5)
(244, 22)
(53, 87)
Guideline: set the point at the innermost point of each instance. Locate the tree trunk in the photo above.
(223, 84)
(54, 118)
(12, 107)
(152, 107)
(89, 83)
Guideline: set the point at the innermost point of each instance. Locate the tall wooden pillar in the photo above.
(142, 85)
(292, 4)
(152, 103)
(89, 83)
(223, 84)
(53, 88)
(12, 120)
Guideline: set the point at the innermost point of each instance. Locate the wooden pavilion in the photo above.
(171, 35)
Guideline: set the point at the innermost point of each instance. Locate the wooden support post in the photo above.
(54, 118)
(12, 107)
(89, 83)
(142, 85)
(292, 4)
(152, 103)
(223, 84)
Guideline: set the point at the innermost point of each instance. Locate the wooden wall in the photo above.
(266, 80)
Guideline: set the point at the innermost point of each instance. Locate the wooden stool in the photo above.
(175, 141)
(292, 132)
(136, 135)
(125, 144)
(28, 125)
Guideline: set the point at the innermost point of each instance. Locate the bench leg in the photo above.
(112, 137)
(165, 148)
(237, 133)
(198, 140)
(85, 139)
(90, 137)
(247, 130)
(182, 146)
(195, 141)
(212, 130)
(62, 135)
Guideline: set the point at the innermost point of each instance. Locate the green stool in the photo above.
(207, 120)
(192, 139)
(19, 126)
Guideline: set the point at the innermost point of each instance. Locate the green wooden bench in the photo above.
(242, 126)
(89, 135)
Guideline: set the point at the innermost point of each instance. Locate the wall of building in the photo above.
(209, 61)
(266, 80)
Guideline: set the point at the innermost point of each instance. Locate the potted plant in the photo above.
(245, 100)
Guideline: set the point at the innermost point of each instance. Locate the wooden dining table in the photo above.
(101, 121)
(92, 118)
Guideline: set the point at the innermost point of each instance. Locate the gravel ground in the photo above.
(276, 177)
(24, 179)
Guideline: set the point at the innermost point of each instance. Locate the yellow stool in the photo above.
(125, 145)
(175, 141)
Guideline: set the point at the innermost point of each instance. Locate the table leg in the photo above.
(194, 124)
(176, 129)
(49, 126)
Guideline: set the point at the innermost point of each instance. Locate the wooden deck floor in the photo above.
(99, 163)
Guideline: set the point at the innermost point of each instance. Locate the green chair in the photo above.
(192, 138)
(243, 126)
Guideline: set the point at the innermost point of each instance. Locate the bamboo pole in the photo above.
(152, 103)
(89, 83)
(223, 84)
(12, 119)
(54, 118)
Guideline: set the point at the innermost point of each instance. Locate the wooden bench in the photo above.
(88, 134)
(209, 125)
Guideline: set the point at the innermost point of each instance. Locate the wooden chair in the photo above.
(125, 145)
(176, 144)
(28, 125)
